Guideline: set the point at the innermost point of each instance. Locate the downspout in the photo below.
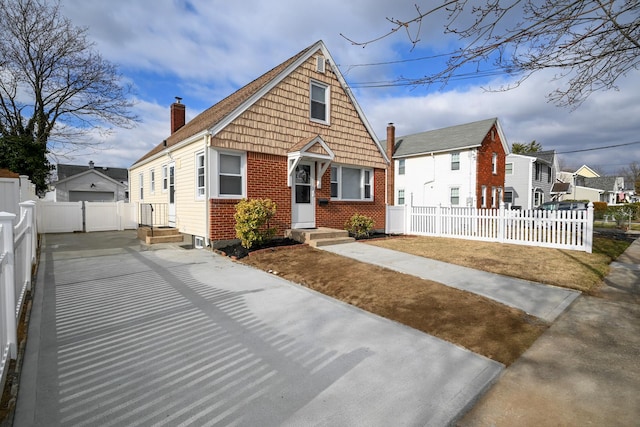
(207, 188)
(389, 187)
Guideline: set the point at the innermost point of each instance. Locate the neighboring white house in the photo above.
(90, 183)
(530, 179)
(456, 166)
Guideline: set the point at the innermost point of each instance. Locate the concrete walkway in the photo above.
(584, 370)
(123, 335)
(543, 301)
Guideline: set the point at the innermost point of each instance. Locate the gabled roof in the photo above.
(468, 135)
(606, 183)
(216, 117)
(547, 157)
(98, 173)
(67, 171)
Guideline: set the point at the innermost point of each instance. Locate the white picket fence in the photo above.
(68, 217)
(18, 246)
(553, 229)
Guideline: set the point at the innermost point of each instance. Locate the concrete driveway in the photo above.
(124, 335)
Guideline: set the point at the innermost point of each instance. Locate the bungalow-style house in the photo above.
(295, 135)
(461, 165)
(530, 179)
(90, 183)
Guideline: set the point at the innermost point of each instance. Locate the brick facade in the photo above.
(485, 176)
(267, 178)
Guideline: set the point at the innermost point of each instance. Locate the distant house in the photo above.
(461, 165)
(530, 180)
(295, 135)
(586, 184)
(90, 183)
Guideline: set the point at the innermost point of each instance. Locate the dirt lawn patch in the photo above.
(481, 325)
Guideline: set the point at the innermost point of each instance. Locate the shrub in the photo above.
(252, 221)
(624, 213)
(359, 225)
(599, 209)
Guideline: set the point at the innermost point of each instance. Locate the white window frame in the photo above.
(494, 163)
(363, 184)
(451, 196)
(508, 168)
(243, 174)
(401, 166)
(165, 178)
(455, 161)
(483, 196)
(401, 197)
(141, 185)
(152, 178)
(327, 102)
(200, 189)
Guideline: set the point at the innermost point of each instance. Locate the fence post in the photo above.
(8, 282)
(588, 229)
(502, 222)
(32, 230)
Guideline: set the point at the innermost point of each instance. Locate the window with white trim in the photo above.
(141, 185)
(483, 196)
(165, 178)
(508, 169)
(508, 197)
(231, 174)
(455, 161)
(494, 199)
(319, 102)
(455, 196)
(351, 183)
(152, 177)
(200, 181)
(494, 163)
(401, 196)
(401, 167)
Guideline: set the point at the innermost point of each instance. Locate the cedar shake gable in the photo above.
(216, 118)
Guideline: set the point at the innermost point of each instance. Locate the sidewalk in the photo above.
(584, 370)
(543, 301)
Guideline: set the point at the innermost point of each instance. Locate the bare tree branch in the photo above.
(591, 43)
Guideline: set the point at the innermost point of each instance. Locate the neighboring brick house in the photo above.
(530, 179)
(295, 135)
(461, 165)
(90, 183)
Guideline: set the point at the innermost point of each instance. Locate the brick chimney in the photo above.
(391, 142)
(177, 115)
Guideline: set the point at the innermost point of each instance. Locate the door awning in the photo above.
(311, 149)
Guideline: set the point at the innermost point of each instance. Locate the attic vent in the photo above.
(320, 64)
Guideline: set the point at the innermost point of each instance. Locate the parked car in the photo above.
(563, 206)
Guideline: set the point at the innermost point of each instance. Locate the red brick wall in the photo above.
(485, 175)
(267, 178)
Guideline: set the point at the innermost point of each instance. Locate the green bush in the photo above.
(359, 225)
(623, 214)
(252, 221)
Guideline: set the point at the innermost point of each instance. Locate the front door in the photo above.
(303, 208)
(172, 195)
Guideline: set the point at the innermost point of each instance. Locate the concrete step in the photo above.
(330, 241)
(306, 236)
(173, 238)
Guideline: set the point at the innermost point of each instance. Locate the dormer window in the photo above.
(319, 102)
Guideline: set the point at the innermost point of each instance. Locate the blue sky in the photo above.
(204, 50)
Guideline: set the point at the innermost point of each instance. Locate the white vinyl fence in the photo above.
(67, 217)
(553, 229)
(17, 255)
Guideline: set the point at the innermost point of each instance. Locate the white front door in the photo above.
(172, 195)
(303, 207)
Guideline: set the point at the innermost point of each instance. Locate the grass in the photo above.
(481, 325)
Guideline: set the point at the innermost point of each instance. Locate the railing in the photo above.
(17, 256)
(153, 215)
(554, 229)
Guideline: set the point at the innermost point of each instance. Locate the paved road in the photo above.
(121, 335)
(543, 301)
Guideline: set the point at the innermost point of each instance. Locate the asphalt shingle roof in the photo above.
(446, 139)
(67, 171)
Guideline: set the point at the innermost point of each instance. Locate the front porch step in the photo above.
(319, 236)
(159, 235)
